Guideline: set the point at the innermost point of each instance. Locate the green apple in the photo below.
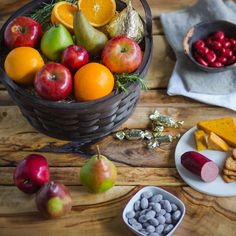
(54, 41)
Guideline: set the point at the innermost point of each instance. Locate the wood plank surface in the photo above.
(101, 214)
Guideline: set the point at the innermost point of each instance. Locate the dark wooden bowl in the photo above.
(203, 30)
(84, 122)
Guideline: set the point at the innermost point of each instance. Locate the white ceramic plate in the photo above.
(154, 190)
(216, 188)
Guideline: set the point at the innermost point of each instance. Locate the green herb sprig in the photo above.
(123, 79)
(43, 14)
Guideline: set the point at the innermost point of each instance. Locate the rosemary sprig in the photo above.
(123, 79)
(43, 14)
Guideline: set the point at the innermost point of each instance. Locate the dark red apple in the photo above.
(31, 173)
(122, 55)
(53, 82)
(22, 32)
(53, 200)
(74, 57)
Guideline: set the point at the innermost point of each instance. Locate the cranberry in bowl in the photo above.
(211, 46)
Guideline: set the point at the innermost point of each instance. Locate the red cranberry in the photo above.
(203, 51)
(226, 39)
(216, 45)
(219, 35)
(209, 42)
(216, 64)
(233, 48)
(210, 57)
(199, 44)
(222, 60)
(202, 62)
(228, 53)
(226, 44)
(221, 52)
(231, 60)
(232, 42)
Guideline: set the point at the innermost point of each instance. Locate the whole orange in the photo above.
(22, 64)
(93, 81)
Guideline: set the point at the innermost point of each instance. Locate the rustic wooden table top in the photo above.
(100, 214)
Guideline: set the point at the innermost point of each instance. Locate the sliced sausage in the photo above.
(200, 165)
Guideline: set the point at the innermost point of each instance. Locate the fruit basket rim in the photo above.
(72, 105)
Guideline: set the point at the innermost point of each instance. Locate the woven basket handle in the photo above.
(147, 56)
(148, 16)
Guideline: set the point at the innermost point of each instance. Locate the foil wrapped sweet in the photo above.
(127, 22)
(165, 121)
(156, 136)
(133, 134)
(156, 142)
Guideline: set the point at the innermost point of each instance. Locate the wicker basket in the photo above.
(83, 122)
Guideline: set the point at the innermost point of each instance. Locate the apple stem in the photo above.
(98, 152)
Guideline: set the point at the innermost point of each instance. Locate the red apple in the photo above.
(53, 82)
(22, 32)
(53, 200)
(74, 57)
(122, 55)
(31, 173)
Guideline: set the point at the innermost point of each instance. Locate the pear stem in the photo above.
(98, 152)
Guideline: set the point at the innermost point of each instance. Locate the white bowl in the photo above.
(154, 190)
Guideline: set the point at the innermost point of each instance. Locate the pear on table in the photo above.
(98, 174)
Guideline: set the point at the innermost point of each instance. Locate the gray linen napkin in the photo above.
(193, 82)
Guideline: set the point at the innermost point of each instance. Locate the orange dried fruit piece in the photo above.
(63, 13)
(22, 64)
(98, 12)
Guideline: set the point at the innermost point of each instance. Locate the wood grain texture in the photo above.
(103, 214)
(126, 176)
(100, 214)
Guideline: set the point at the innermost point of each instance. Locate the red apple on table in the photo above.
(53, 200)
(22, 32)
(31, 173)
(122, 55)
(53, 82)
(74, 57)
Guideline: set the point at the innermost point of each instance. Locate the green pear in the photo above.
(87, 36)
(54, 41)
(98, 174)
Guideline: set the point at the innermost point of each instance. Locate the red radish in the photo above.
(200, 165)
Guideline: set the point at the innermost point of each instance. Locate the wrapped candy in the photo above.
(156, 142)
(155, 136)
(128, 23)
(133, 134)
(165, 121)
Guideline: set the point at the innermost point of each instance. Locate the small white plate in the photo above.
(154, 190)
(216, 188)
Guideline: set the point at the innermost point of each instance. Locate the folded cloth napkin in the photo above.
(187, 80)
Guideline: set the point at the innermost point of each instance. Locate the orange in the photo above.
(93, 81)
(63, 13)
(98, 12)
(22, 64)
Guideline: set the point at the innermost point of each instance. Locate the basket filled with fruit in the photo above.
(75, 68)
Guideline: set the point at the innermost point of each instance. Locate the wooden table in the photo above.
(100, 214)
